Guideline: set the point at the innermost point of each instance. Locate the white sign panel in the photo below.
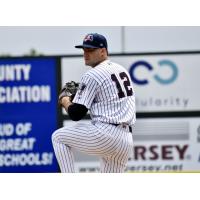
(162, 82)
(170, 144)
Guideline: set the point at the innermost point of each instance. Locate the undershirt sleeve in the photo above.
(76, 111)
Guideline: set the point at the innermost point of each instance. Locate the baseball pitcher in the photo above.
(107, 92)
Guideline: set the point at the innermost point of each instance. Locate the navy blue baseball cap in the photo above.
(93, 41)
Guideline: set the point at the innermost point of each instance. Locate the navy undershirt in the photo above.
(76, 111)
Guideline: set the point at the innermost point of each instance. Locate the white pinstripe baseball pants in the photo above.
(112, 144)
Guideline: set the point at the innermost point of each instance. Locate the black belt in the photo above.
(129, 127)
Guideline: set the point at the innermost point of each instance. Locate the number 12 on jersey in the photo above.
(122, 82)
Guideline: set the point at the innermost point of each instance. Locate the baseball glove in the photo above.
(69, 90)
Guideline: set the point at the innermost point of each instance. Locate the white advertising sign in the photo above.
(162, 82)
(170, 144)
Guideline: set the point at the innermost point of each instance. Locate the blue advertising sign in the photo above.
(28, 114)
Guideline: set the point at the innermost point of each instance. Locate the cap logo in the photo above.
(88, 38)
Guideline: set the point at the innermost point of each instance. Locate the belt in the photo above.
(129, 127)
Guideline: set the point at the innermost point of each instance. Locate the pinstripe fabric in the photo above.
(101, 95)
(107, 92)
(112, 144)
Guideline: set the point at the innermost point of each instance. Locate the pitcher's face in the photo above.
(93, 57)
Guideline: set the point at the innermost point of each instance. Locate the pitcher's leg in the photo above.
(117, 163)
(85, 138)
(114, 164)
(111, 166)
(64, 157)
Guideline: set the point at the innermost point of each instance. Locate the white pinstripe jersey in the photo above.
(107, 91)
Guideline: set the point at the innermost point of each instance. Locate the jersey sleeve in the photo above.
(86, 92)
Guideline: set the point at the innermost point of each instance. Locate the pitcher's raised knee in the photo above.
(55, 136)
